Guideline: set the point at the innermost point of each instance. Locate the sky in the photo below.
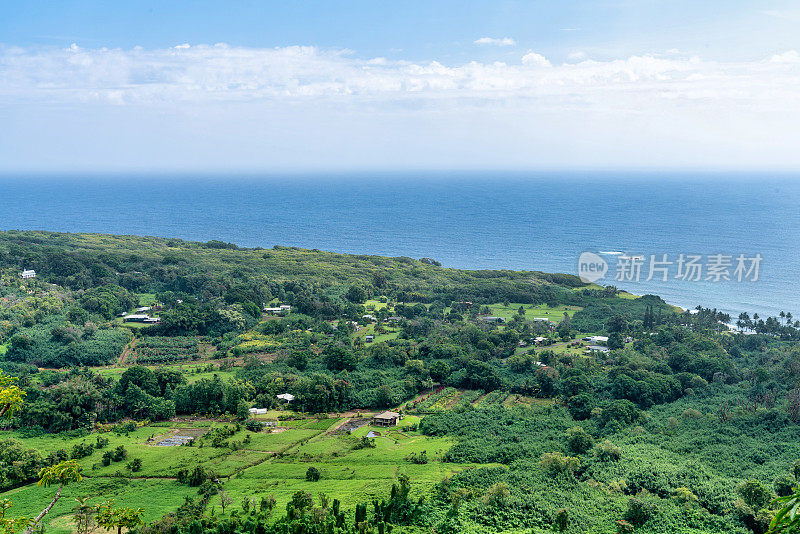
(245, 86)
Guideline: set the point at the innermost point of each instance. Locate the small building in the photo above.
(393, 319)
(28, 273)
(288, 397)
(490, 319)
(285, 308)
(258, 411)
(369, 339)
(597, 348)
(386, 419)
(273, 311)
(539, 340)
(143, 309)
(153, 320)
(370, 318)
(136, 318)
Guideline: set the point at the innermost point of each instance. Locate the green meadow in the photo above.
(270, 463)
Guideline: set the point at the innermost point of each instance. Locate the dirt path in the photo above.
(127, 352)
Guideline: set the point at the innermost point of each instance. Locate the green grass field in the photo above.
(542, 311)
(270, 463)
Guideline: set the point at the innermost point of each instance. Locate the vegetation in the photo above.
(684, 425)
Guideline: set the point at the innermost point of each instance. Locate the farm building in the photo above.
(136, 318)
(489, 319)
(27, 273)
(288, 397)
(258, 411)
(386, 419)
(598, 348)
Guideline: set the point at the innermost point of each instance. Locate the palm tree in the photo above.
(62, 474)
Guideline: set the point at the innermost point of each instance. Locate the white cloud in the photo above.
(535, 60)
(218, 73)
(790, 56)
(630, 109)
(504, 41)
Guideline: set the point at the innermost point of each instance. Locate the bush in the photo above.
(578, 440)
(580, 406)
(623, 527)
(253, 426)
(639, 511)
(691, 413)
(607, 451)
(556, 463)
(312, 474)
(754, 494)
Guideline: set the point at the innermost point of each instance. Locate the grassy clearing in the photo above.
(374, 305)
(3, 349)
(146, 299)
(542, 311)
(271, 463)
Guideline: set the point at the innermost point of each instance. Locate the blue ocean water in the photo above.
(535, 221)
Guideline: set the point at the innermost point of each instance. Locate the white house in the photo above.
(28, 273)
(288, 397)
(258, 411)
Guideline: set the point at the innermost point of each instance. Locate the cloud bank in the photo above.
(214, 104)
(220, 72)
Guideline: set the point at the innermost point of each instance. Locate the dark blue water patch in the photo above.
(537, 221)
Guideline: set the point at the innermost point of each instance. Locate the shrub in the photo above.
(580, 406)
(312, 474)
(639, 511)
(783, 485)
(578, 440)
(556, 463)
(691, 413)
(497, 494)
(607, 451)
(119, 454)
(253, 426)
(685, 496)
(623, 527)
(754, 494)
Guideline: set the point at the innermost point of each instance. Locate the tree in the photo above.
(224, 500)
(11, 396)
(578, 440)
(109, 517)
(83, 516)
(615, 341)
(62, 474)
(561, 522)
(312, 474)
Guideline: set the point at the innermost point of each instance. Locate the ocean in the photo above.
(533, 221)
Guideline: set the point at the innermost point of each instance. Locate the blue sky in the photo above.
(262, 86)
